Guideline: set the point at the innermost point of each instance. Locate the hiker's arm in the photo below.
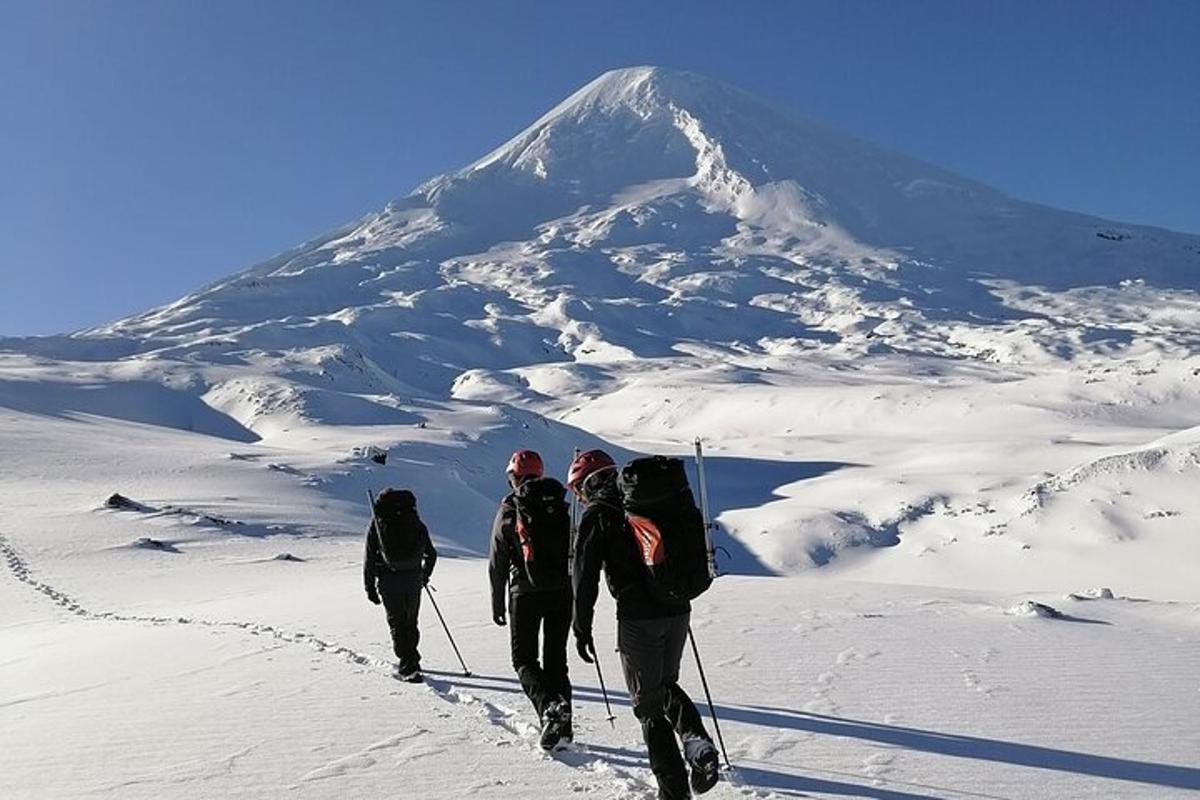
(585, 574)
(430, 555)
(498, 563)
(370, 558)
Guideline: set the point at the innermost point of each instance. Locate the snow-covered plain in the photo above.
(940, 421)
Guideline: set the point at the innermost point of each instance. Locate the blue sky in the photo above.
(147, 148)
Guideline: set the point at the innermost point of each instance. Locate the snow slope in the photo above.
(927, 406)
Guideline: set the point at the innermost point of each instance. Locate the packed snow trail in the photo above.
(20, 570)
(499, 716)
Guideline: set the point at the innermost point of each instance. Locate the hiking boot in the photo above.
(556, 725)
(703, 764)
(409, 674)
(565, 729)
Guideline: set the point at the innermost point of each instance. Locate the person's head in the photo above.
(524, 465)
(590, 471)
(393, 501)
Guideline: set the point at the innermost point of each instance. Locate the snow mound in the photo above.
(1103, 593)
(1172, 460)
(120, 502)
(1032, 608)
(146, 543)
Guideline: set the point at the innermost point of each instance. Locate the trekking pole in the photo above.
(708, 525)
(708, 696)
(612, 719)
(574, 510)
(445, 627)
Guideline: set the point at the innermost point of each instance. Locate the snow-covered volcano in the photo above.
(663, 256)
(653, 209)
(953, 450)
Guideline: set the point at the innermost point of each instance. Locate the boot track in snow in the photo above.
(507, 719)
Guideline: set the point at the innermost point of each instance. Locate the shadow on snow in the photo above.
(946, 744)
(749, 483)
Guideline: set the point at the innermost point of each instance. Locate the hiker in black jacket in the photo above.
(528, 568)
(650, 633)
(397, 565)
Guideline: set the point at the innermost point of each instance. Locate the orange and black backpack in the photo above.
(667, 527)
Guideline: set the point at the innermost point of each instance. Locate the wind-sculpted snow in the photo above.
(1160, 461)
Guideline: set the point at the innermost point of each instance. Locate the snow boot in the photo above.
(703, 764)
(409, 675)
(566, 729)
(556, 725)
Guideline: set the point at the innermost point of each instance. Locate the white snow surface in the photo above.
(954, 454)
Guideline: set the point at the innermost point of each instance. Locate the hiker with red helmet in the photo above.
(651, 631)
(529, 571)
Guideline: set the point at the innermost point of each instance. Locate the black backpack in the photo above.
(667, 528)
(543, 528)
(398, 529)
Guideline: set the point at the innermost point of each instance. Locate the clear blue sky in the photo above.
(147, 148)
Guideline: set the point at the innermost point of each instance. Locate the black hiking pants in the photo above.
(651, 650)
(550, 614)
(401, 596)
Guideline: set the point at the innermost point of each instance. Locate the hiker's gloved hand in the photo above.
(425, 576)
(585, 646)
(499, 618)
(373, 595)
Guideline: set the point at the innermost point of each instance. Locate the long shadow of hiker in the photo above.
(975, 747)
(783, 783)
(946, 744)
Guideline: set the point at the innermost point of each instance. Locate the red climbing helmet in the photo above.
(524, 464)
(587, 464)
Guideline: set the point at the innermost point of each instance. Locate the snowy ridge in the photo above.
(1182, 456)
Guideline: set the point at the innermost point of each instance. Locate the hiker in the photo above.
(399, 560)
(529, 571)
(651, 631)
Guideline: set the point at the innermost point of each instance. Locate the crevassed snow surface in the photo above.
(941, 423)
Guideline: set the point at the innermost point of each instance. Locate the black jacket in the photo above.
(604, 540)
(505, 568)
(375, 568)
